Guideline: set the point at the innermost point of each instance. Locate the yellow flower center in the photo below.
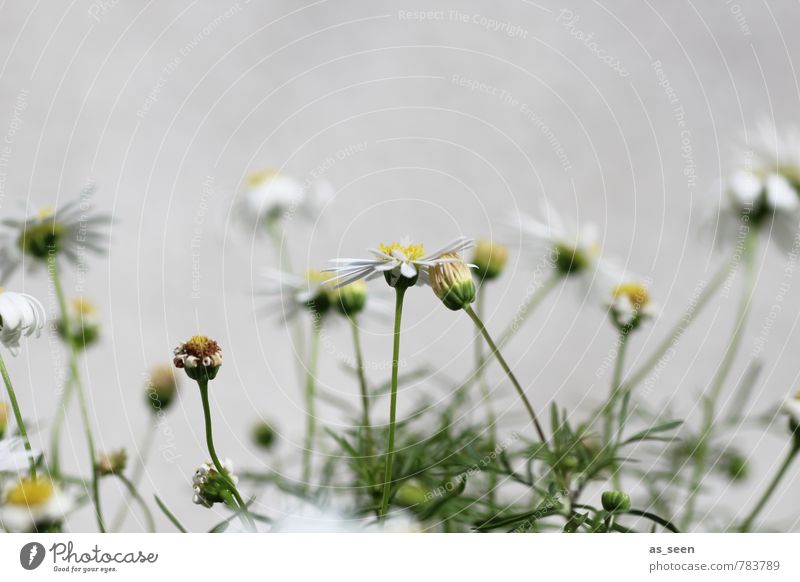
(30, 492)
(412, 251)
(258, 178)
(201, 346)
(45, 212)
(313, 276)
(83, 306)
(636, 293)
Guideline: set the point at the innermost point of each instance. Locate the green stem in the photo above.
(170, 516)
(710, 403)
(527, 309)
(496, 353)
(76, 380)
(311, 385)
(58, 423)
(362, 383)
(247, 519)
(683, 323)
(12, 396)
(138, 471)
(616, 385)
(148, 516)
(747, 523)
(387, 475)
(480, 363)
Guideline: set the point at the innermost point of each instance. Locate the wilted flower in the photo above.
(69, 231)
(403, 264)
(263, 435)
(615, 501)
(452, 283)
(200, 357)
(13, 456)
(489, 259)
(20, 315)
(268, 195)
(30, 505)
(162, 387)
(112, 463)
(209, 486)
(84, 324)
(630, 305)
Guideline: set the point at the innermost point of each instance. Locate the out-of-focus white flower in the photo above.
(791, 406)
(290, 294)
(29, 505)
(269, 195)
(402, 264)
(71, 230)
(13, 456)
(630, 304)
(765, 190)
(20, 315)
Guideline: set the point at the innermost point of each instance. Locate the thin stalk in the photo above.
(616, 385)
(138, 471)
(311, 389)
(148, 516)
(247, 519)
(58, 423)
(12, 396)
(480, 363)
(170, 516)
(496, 353)
(362, 383)
(748, 522)
(683, 323)
(387, 475)
(526, 310)
(76, 379)
(710, 404)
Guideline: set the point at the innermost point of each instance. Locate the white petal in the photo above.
(745, 187)
(780, 193)
(408, 270)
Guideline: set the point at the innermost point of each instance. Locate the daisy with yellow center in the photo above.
(630, 305)
(82, 328)
(34, 504)
(269, 194)
(401, 263)
(71, 231)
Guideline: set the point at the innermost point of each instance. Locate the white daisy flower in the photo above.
(30, 505)
(269, 195)
(630, 305)
(295, 294)
(13, 456)
(791, 406)
(767, 188)
(71, 231)
(400, 263)
(20, 315)
(573, 250)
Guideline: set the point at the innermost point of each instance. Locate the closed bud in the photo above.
(615, 501)
(264, 435)
(490, 259)
(112, 463)
(736, 467)
(83, 327)
(162, 387)
(452, 282)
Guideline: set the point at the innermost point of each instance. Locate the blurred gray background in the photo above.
(623, 113)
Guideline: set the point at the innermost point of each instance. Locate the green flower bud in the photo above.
(263, 435)
(453, 283)
(490, 259)
(736, 467)
(162, 387)
(112, 463)
(350, 299)
(320, 301)
(571, 260)
(412, 494)
(615, 501)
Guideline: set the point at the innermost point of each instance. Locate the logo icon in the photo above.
(31, 555)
